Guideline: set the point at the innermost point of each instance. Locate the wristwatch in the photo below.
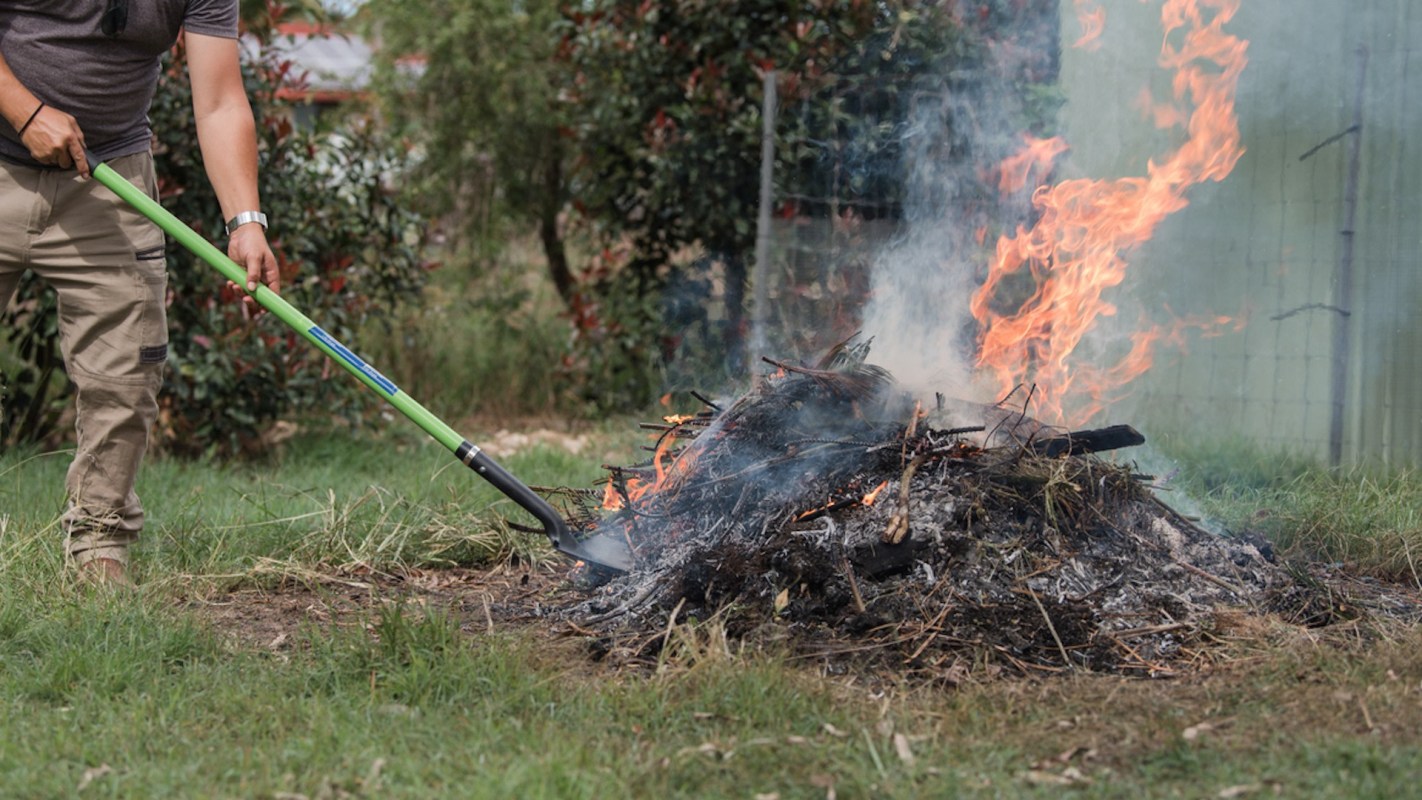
(245, 217)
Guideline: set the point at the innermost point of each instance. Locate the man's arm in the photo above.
(52, 135)
(227, 135)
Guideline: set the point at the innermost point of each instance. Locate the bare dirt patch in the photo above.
(277, 617)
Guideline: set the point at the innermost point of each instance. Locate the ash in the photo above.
(993, 543)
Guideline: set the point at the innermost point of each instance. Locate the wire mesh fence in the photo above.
(1305, 256)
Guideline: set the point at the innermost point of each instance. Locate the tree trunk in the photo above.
(548, 232)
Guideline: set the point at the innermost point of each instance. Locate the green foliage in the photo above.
(481, 106)
(665, 104)
(487, 344)
(612, 359)
(647, 117)
(348, 250)
(261, 17)
(32, 378)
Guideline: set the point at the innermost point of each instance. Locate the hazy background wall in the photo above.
(1264, 246)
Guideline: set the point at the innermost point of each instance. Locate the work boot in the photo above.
(104, 573)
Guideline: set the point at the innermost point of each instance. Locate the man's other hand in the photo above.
(248, 247)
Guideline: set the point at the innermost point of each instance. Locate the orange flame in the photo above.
(1036, 153)
(874, 495)
(1074, 252)
(664, 472)
(611, 499)
(1093, 23)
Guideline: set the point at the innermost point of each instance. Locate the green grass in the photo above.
(330, 500)
(1365, 517)
(486, 340)
(138, 695)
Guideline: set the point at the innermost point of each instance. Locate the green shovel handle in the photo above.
(274, 303)
(477, 460)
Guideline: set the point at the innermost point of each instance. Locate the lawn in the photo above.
(352, 618)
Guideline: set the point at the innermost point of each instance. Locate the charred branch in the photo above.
(1079, 443)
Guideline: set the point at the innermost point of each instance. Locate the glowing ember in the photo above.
(1075, 250)
(835, 505)
(814, 512)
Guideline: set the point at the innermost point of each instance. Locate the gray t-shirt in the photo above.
(57, 49)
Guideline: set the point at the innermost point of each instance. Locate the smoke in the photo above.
(962, 128)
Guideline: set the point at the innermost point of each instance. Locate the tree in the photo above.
(645, 118)
(666, 101)
(481, 104)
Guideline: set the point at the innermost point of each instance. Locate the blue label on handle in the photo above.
(353, 361)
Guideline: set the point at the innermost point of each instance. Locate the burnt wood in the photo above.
(878, 559)
(1089, 441)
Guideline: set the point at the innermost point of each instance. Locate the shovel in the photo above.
(603, 550)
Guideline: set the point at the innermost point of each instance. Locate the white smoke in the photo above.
(918, 312)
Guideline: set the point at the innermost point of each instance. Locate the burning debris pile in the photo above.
(827, 508)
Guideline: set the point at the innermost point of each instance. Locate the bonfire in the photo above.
(828, 508)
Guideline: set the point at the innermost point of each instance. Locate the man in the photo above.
(82, 73)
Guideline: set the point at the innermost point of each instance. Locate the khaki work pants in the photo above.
(106, 263)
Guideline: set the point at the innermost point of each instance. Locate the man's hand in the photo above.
(248, 247)
(53, 137)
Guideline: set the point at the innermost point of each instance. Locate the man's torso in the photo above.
(61, 53)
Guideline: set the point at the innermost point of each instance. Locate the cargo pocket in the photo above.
(152, 266)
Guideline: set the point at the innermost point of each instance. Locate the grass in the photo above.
(486, 339)
(140, 695)
(328, 500)
(1364, 517)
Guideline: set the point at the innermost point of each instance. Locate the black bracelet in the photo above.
(25, 127)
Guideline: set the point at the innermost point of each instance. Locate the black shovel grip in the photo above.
(515, 490)
(602, 550)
